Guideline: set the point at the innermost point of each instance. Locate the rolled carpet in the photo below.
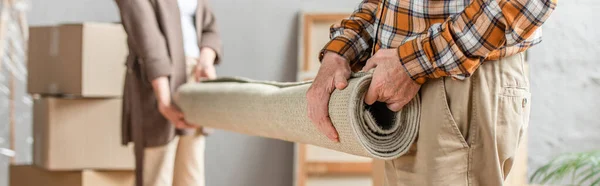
(279, 110)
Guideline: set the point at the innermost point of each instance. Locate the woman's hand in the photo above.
(205, 68)
(168, 110)
(173, 114)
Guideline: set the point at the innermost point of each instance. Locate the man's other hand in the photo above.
(390, 84)
(333, 74)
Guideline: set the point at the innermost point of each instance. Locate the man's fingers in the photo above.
(321, 118)
(318, 112)
(372, 94)
(396, 106)
(333, 74)
(340, 81)
(326, 127)
(370, 64)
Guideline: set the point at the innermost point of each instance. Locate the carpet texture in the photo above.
(278, 110)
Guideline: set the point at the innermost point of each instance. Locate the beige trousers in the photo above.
(470, 130)
(179, 163)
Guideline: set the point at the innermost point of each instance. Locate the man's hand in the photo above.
(168, 110)
(390, 84)
(205, 68)
(333, 74)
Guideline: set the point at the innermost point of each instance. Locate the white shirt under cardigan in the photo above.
(187, 9)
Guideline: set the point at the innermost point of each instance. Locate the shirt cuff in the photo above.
(415, 61)
(341, 46)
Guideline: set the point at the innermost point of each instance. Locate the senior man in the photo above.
(464, 57)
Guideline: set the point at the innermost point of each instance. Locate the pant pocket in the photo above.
(511, 124)
(452, 124)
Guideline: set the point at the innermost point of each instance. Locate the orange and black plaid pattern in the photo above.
(442, 37)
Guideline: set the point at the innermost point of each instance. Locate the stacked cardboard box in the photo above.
(84, 60)
(27, 175)
(72, 134)
(78, 71)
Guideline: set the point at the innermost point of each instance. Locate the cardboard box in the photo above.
(28, 175)
(77, 59)
(76, 134)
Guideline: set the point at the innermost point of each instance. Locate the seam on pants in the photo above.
(472, 131)
(526, 83)
(396, 176)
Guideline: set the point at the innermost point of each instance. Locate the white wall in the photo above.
(260, 35)
(260, 42)
(565, 80)
(61, 11)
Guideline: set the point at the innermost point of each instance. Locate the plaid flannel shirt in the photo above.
(440, 38)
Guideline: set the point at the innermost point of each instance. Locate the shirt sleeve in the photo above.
(457, 46)
(352, 38)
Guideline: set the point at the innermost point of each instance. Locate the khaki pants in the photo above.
(470, 130)
(179, 163)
